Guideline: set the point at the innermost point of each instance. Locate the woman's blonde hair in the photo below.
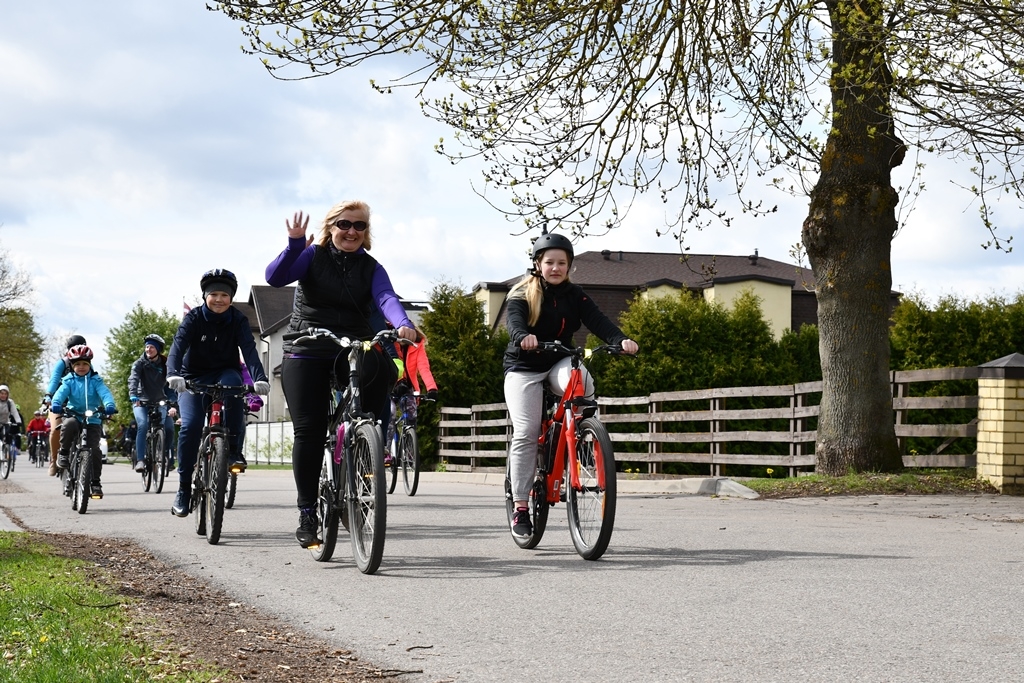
(532, 291)
(332, 217)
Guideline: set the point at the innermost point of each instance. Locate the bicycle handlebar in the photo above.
(314, 333)
(559, 347)
(198, 387)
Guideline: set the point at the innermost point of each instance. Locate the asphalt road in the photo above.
(693, 588)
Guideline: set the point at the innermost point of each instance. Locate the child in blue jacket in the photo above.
(82, 390)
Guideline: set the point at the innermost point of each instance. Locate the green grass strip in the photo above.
(57, 624)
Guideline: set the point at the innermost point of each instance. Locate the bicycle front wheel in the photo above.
(5, 461)
(409, 454)
(591, 506)
(367, 501)
(147, 457)
(159, 462)
(83, 483)
(218, 483)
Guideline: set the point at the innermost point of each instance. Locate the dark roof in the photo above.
(273, 305)
(250, 313)
(641, 269)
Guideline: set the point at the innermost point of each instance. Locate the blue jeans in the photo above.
(193, 416)
(142, 419)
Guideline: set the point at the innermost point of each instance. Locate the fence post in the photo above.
(716, 427)
(1001, 424)
(900, 391)
(653, 446)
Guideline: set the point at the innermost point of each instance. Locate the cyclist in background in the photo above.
(418, 365)
(544, 307)
(340, 285)
(9, 415)
(61, 369)
(205, 350)
(81, 391)
(38, 429)
(147, 382)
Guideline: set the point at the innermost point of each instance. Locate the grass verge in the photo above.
(59, 623)
(919, 482)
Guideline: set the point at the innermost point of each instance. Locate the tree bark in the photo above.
(848, 237)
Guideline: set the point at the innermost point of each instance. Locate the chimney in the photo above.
(753, 258)
(607, 254)
(620, 257)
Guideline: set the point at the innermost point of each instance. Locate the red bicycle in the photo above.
(575, 461)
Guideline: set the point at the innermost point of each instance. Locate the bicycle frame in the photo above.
(572, 407)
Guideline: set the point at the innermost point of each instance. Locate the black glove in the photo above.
(402, 388)
(431, 394)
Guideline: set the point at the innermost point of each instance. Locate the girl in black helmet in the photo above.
(205, 349)
(543, 307)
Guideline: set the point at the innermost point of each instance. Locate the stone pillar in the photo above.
(1001, 424)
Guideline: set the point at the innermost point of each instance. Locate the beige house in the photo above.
(613, 278)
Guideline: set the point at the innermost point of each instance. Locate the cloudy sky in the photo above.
(139, 147)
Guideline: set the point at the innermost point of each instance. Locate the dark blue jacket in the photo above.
(209, 342)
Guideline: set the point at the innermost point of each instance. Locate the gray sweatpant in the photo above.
(524, 394)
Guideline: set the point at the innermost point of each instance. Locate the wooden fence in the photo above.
(706, 426)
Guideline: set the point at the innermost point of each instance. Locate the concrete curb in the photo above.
(694, 486)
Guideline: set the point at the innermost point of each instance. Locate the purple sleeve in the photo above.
(387, 300)
(291, 264)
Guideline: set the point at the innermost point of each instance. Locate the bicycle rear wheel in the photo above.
(537, 504)
(218, 482)
(591, 507)
(327, 511)
(391, 462)
(83, 483)
(199, 490)
(367, 502)
(229, 502)
(5, 461)
(409, 454)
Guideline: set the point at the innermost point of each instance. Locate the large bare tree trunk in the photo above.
(848, 237)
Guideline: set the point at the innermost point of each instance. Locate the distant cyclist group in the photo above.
(342, 369)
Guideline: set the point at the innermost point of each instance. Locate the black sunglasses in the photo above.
(358, 225)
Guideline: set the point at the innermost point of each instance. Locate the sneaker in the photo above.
(140, 465)
(238, 464)
(181, 503)
(62, 461)
(97, 490)
(521, 525)
(308, 526)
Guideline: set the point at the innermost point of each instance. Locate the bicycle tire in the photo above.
(83, 482)
(537, 504)
(409, 453)
(199, 492)
(591, 508)
(391, 465)
(229, 501)
(5, 461)
(218, 480)
(159, 463)
(147, 458)
(367, 504)
(327, 512)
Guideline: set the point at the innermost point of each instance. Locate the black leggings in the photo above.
(307, 388)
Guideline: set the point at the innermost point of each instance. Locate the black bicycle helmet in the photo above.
(552, 240)
(74, 340)
(156, 340)
(219, 276)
